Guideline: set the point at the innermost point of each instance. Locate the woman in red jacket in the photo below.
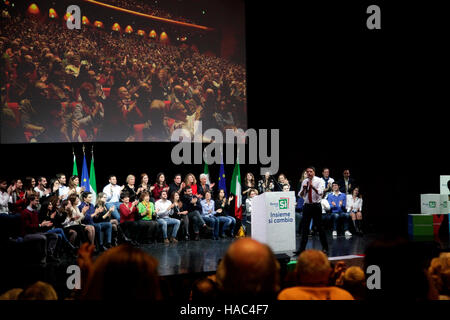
(159, 186)
(128, 213)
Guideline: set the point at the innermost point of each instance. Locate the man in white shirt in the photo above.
(9, 221)
(312, 191)
(5, 197)
(163, 209)
(63, 189)
(112, 191)
(41, 188)
(327, 180)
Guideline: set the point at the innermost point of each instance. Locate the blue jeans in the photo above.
(60, 233)
(164, 222)
(213, 222)
(115, 214)
(228, 223)
(100, 229)
(342, 216)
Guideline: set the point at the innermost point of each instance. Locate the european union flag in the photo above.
(85, 176)
(222, 180)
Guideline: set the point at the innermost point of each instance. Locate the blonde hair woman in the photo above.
(190, 180)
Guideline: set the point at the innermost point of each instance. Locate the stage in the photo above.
(204, 255)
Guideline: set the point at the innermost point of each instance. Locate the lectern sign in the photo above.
(273, 220)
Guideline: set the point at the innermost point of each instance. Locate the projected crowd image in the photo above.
(111, 81)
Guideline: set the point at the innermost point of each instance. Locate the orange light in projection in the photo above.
(128, 29)
(152, 34)
(116, 27)
(85, 20)
(67, 16)
(98, 24)
(33, 9)
(141, 32)
(163, 37)
(52, 13)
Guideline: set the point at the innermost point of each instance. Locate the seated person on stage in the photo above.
(337, 201)
(128, 212)
(282, 182)
(209, 214)
(33, 230)
(147, 214)
(105, 215)
(266, 184)
(354, 207)
(192, 204)
(102, 229)
(9, 221)
(84, 232)
(346, 184)
(249, 270)
(74, 181)
(203, 186)
(145, 187)
(41, 188)
(63, 189)
(312, 274)
(112, 191)
(176, 185)
(49, 213)
(130, 187)
(180, 213)
(222, 207)
(190, 180)
(159, 186)
(164, 209)
(327, 180)
(326, 212)
(247, 215)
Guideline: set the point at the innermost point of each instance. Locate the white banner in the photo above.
(273, 220)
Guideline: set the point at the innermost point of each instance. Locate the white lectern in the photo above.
(273, 220)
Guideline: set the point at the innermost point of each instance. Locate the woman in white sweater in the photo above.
(354, 207)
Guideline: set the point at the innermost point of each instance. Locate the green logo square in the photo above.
(432, 204)
(283, 203)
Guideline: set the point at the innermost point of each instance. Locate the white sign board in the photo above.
(444, 184)
(430, 203)
(434, 203)
(273, 220)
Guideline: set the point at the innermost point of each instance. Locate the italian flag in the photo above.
(75, 169)
(92, 180)
(206, 171)
(237, 190)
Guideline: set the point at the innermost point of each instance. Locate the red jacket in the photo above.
(30, 221)
(157, 191)
(125, 213)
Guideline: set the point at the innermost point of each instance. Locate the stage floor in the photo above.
(204, 255)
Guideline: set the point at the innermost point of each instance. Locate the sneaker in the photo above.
(166, 241)
(348, 234)
(334, 233)
(197, 237)
(173, 240)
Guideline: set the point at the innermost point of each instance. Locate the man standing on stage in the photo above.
(311, 191)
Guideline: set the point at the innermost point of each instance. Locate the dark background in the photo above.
(342, 96)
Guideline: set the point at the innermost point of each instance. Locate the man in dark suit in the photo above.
(346, 184)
